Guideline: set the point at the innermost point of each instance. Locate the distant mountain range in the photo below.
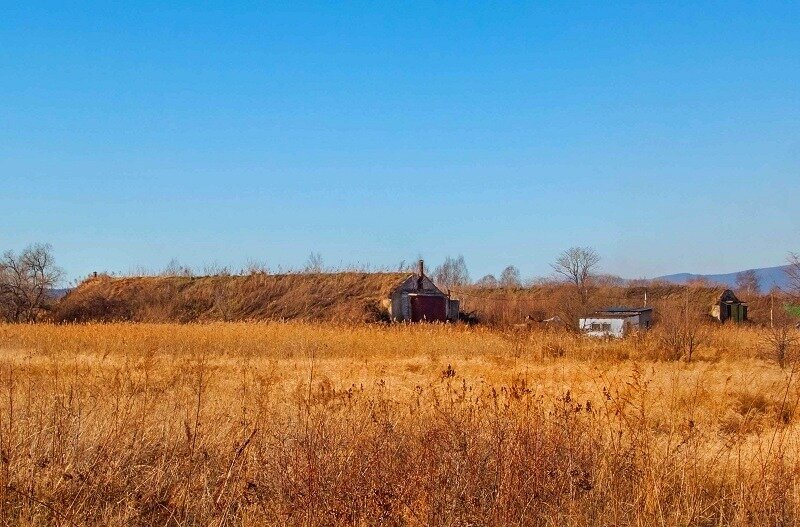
(768, 276)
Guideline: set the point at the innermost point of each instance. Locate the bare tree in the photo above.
(748, 282)
(488, 281)
(781, 338)
(452, 273)
(780, 344)
(793, 273)
(577, 265)
(255, 267)
(224, 300)
(26, 282)
(175, 268)
(611, 280)
(314, 264)
(682, 328)
(510, 277)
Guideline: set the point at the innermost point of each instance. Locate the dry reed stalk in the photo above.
(297, 423)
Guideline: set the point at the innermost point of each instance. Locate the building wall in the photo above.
(736, 312)
(453, 309)
(400, 305)
(616, 325)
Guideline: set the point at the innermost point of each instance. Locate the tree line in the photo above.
(28, 278)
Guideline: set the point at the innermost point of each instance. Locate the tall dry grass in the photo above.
(339, 296)
(302, 424)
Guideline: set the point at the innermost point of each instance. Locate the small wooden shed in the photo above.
(418, 299)
(728, 307)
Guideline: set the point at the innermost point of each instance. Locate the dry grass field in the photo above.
(322, 424)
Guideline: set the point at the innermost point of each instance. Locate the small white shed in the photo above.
(616, 321)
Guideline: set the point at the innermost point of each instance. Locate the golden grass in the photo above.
(304, 424)
(338, 296)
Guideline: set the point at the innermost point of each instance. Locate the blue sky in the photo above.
(667, 136)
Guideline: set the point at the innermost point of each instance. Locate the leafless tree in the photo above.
(781, 339)
(451, 273)
(488, 281)
(26, 282)
(611, 280)
(255, 267)
(577, 265)
(780, 344)
(175, 268)
(748, 282)
(314, 264)
(216, 269)
(224, 300)
(682, 328)
(510, 277)
(793, 273)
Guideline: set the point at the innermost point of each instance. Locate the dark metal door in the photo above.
(428, 308)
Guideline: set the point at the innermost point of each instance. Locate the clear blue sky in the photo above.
(666, 136)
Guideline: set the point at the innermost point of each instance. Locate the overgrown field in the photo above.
(303, 424)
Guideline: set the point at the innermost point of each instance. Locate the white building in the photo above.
(616, 321)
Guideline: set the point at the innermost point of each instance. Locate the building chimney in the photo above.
(421, 271)
(420, 274)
